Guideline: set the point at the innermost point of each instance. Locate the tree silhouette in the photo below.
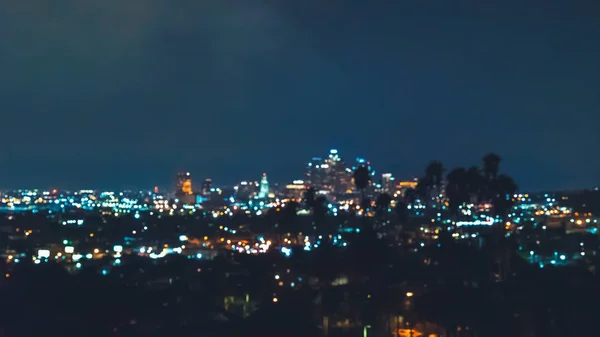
(434, 173)
(289, 217)
(475, 184)
(457, 190)
(504, 188)
(401, 212)
(383, 203)
(319, 212)
(422, 190)
(410, 196)
(491, 165)
(362, 177)
(309, 197)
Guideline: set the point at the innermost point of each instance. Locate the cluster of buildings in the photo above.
(330, 176)
(333, 176)
(535, 219)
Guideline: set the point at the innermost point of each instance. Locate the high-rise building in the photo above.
(206, 187)
(387, 183)
(316, 174)
(184, 184)
(295, 189)
(264, 187)
(404, 186)
(330, 175)
(339, 176)
(245, 190)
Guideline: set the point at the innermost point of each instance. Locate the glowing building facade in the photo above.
(329, 175)
(316, 174)
(184, 191)
(264, 187)
(295, 189)
(184, 184)
(206, 187)
(338, 174)
(387, 183)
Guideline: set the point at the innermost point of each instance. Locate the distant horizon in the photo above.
(170, 189)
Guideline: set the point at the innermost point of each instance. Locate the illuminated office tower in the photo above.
(206, 187)
(387, 183)
(184, 184)
(264, 187)
(316, 174)
(330, 175)
(339, 176)
(295, 189)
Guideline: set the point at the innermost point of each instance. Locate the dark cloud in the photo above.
(123, 93)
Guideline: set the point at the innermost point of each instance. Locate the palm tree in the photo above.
(422, 190)
(456, 189)
(503, 200)
(383, 201)
(309, 197)
(320, 214)
(475, 184)
(382, 204)
(289, 217)
(430, 184)
(362, 177)
(401, 212)
(409, 196)
(434, 173)
(491, 165)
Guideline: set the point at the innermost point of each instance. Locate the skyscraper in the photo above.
(264, 187)
(330, 174)
(387, 183)
(339, 175)
(184, 184)
(315, 174)
(206, 187)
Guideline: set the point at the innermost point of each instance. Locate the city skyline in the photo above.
(167, 184)
(118, 96)
(300, 168)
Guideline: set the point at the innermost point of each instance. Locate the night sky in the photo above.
(122, 94)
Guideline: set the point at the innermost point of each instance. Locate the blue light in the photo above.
(286, 251)
(199, 255)
(104, 272)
